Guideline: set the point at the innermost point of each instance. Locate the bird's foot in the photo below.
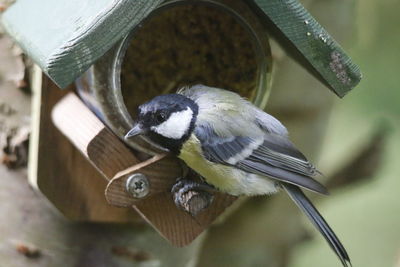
(192, 197)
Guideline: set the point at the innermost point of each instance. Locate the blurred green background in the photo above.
(262, 231)
(369, 224)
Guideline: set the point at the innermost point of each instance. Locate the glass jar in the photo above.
(219, 43)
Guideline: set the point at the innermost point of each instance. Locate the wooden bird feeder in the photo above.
(123, 53)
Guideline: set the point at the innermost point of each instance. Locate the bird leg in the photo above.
(191, 196)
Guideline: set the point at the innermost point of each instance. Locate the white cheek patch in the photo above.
(176, 126)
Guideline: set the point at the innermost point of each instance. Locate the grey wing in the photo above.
(270, 155)
(280, 152)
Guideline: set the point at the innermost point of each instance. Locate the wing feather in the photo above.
(268, 155)
(282, 175)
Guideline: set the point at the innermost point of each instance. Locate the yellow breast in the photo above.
(225, 178)
(215, 174)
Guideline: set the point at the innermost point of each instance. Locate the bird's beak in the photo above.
(136, 130)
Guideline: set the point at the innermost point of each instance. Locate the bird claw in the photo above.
(192, 197)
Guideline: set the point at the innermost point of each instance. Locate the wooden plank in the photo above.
(310, 44)
(91, 137)
(60, 171)
(175, 225)
(65, 37)
(159, 209)
(161, 171)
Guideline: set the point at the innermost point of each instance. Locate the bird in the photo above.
(235, 146)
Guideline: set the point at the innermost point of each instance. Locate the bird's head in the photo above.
(167, 120)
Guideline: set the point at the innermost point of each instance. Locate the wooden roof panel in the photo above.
(65, 37)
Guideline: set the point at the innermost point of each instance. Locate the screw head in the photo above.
(137, 185)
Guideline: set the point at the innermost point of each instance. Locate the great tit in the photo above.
(238, 148)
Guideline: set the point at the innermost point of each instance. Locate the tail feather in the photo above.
(319, 222)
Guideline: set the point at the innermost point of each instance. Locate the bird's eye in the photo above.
(161, 117)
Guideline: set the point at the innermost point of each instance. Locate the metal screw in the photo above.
(137, 185)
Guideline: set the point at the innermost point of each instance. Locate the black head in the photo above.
(168, 120)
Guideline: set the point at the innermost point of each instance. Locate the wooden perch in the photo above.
(117, 163)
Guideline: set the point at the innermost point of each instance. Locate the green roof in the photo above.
(66, 37)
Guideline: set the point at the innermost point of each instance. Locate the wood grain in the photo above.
(161, 172)
(89, 135)
(175, 225)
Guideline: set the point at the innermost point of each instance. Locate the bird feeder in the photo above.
(123, 53)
